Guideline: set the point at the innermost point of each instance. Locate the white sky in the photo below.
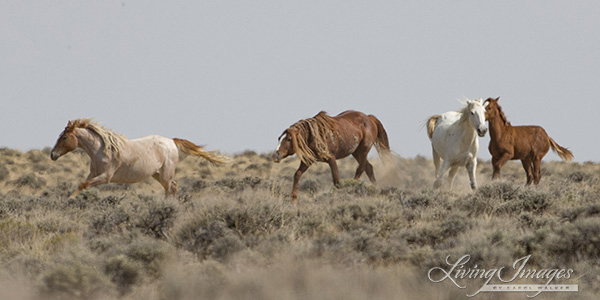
(234, 74)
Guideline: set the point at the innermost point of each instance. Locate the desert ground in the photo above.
(232, 232)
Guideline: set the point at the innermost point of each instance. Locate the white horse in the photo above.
(114, 158)
(454, 139)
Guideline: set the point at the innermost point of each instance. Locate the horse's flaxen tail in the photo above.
(564, 153)
(381, 143)
(190, 148)
(431, 125)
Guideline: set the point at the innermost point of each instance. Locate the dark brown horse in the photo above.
(324, 138)
(527, 143)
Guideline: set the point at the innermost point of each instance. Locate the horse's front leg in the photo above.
(335, 174)
(301, 169)
(92, 182)
(451, 176)
(498, 162)
(472, 168)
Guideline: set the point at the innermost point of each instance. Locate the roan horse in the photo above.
(454, 139)
(114, 158)
(527, 143)
(324, 138)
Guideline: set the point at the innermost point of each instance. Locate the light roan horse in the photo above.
(114, 158)
(454, 139)
(324, 138)
(527, 143)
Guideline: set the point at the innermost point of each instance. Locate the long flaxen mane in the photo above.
(113, 142)
(317, 128)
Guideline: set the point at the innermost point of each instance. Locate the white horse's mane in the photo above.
(112, 141)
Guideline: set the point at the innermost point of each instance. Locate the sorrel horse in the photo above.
(527, 143)
(453, 138)
(114, 158)
(324, 138)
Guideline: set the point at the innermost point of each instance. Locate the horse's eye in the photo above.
(473, 113)
(289, 139)
(65, 138)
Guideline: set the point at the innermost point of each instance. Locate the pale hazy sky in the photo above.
(234, 74)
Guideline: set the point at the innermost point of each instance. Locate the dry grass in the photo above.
(232, 233)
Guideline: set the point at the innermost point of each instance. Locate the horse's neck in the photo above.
(90, 143)
(497, 128)
(469, 133)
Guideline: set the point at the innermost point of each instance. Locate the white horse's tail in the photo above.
(431, 125)
(188, 148)
(564, 153)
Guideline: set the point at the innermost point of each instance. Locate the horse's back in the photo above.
(529, 140)
(153, 148)
(446, 138)
(444, 124)
(350, 115)
(354, 128)
(144, 157)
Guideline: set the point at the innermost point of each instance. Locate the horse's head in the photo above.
(492, 109)
(285, 147)
(67, 142)
(477, 116)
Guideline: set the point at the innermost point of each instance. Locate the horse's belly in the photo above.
(131, 176)
(135, 171)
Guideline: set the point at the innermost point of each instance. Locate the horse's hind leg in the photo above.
(436, 160)
(370, 173)
(169, 185)
(528, 166)
(537, 170)
(173, 188)
(363, 165)
(440, 174)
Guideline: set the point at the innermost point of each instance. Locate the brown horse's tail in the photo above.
(431, 125)
(564, 153)
(381, 143)
(188, 148)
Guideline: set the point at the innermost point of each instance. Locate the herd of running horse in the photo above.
(453, 135)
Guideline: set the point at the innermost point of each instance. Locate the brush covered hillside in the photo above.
(232, 233)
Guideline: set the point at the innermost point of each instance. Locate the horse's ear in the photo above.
(497, 99)
(69, 126)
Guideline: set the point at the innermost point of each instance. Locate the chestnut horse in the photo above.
(114, 158)
(324, 138)
(527, 143)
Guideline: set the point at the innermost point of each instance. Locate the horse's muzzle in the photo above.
(482, 131)
(54, 156)
(276, 157)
